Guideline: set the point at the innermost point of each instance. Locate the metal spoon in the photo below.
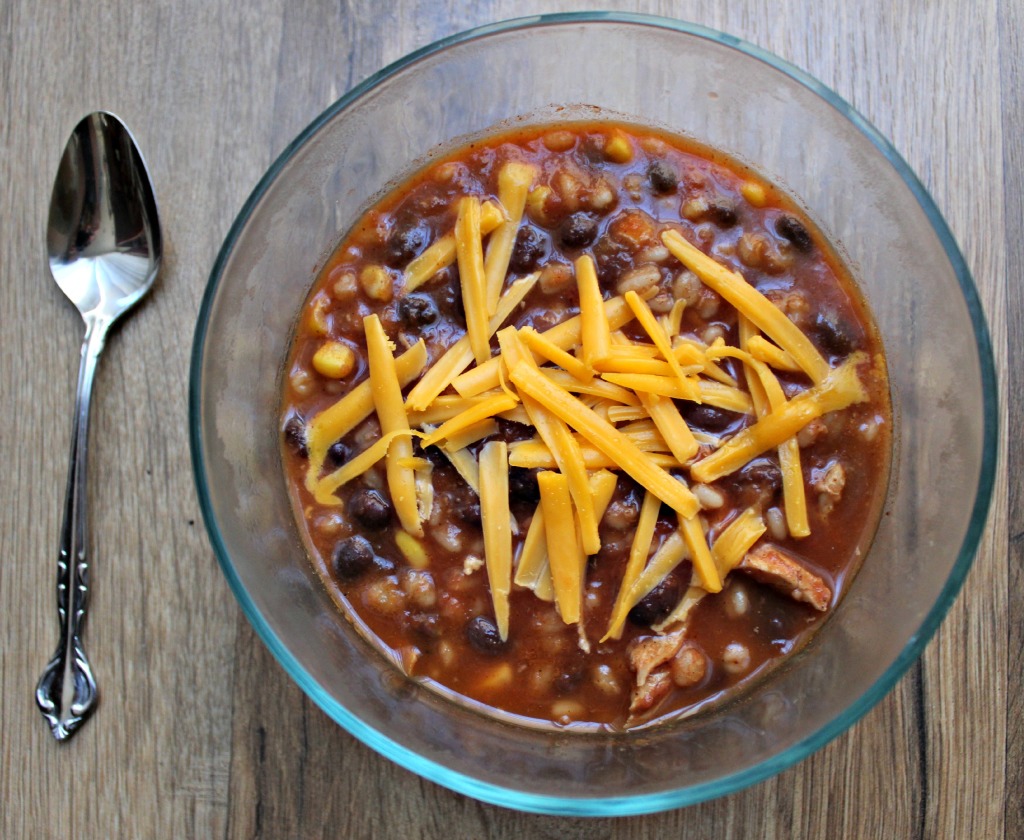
(104, 245)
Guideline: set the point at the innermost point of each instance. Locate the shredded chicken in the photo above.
(652, 652)
(830, 484)
(653, 691)
(669, 659)
(770, 565)
(811, 433)
(832, 481)
(660, 663)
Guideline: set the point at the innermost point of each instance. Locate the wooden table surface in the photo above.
(199, 732)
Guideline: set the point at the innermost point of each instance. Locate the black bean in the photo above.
(511, 431)
(337, 454)
(295, 436)
(522, 485)
(406, 241)
(353, 556)
(449, 295)
(432, 454)
(707, 417)
(722, 211)
(469, 513)
(370, 508)
(657, 604)
(527, 250)
(833, 333)
(465, 504)
(790, 227)
(569, 679)
(613, 552)
(417, 310)
(482, 634)
(758, 482)
(663, 177)
(578, 231)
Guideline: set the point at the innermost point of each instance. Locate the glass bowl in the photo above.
(796, 133)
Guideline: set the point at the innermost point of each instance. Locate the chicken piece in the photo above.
(831, 481)
(780, 570)
(652, 652)
(655, 688)
(811, 433)
(660, 663)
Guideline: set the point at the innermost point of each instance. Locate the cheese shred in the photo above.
(387, 399)
(494, 516)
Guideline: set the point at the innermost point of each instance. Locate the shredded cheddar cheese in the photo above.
(657, 334)
(672, 426)
(602, 397)
(470, 255)
(474, 414)
(514, 182)
(563, 550)
(337, 420)
(441, 254)
(564, 335)
(638, 553)
(494, 514)
(839, 389)
(556, 355)
(458, 357)
(533, 559)
(471, 434)
(594, 330)
(323, 489)
(736, 540)
(606, 438)
(560, 442)
(700, 553)
(387, 399)
(751, 303)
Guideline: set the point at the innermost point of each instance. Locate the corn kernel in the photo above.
(318, 315)
(412, 549)
(618, 149)
(376, 283)
(754, 193)
(334, 360)
(536, 204)
(498, 677)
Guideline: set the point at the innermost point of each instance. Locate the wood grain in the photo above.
(200, 734)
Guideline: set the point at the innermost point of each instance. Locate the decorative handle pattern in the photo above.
(66, 693)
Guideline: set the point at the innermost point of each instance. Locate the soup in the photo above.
(586, 425)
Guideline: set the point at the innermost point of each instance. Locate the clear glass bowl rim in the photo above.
(647, 803)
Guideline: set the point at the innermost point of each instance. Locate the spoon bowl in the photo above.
(103, 236)
(105, 247)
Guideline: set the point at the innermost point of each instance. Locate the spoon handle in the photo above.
(66, 693)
